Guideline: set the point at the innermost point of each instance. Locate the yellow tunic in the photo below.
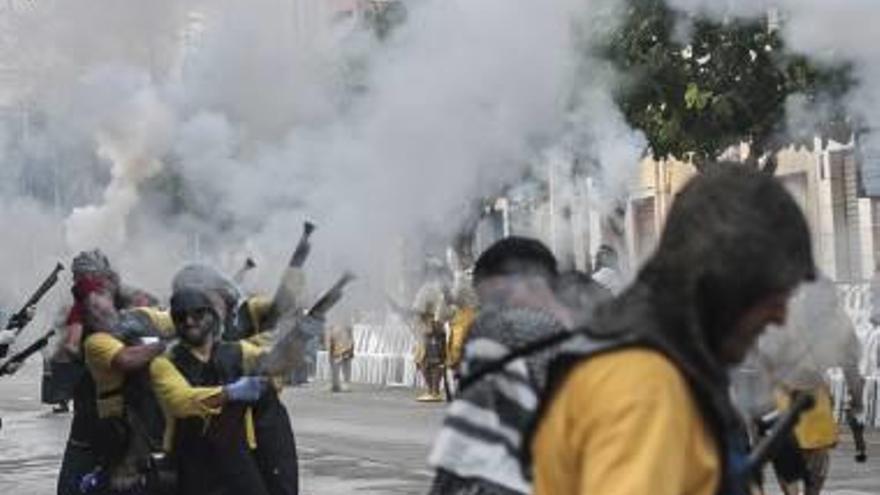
(258, 308)
(458, 332)
(179, 399)
(339, 342)
(816, 428)
(101, 348)
(624, 423)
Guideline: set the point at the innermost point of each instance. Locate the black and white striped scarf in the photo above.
(480, 445)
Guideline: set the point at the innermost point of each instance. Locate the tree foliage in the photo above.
(696, 86)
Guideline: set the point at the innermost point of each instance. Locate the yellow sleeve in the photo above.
(178, 398)
(816, 428)
(100, 349)
(262, 339)
(250, 356)
(258, 308)
(628, 425)
(160, 318)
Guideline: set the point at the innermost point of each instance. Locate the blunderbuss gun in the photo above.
(782, 428)
(286, 353)
(303, 247)
(20, 319)
(330, 298)
(858, 432)
(12, 364)
(249, 264)
(292, 281)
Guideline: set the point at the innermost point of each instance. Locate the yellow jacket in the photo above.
(99, 350)
(816, 428)
(624, 423)
(179, 399)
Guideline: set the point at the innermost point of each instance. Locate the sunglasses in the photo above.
(197, 314)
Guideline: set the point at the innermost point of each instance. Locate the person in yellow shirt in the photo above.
(203, 388)
(818, 336)
(251, 319)
(117, 350)
(96, 286)
(339, 342)
(430, 313)
(479, 446)
(464, 306)
(652, 414)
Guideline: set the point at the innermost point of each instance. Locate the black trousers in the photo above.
(276, 446)
(219, 461)
(78, 461)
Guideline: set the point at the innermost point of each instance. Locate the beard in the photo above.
(198, 336)
(195, 339)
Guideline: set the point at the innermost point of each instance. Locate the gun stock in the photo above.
(19, 320)
(287, 296)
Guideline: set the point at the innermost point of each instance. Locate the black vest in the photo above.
(216, 445)
(224, 367)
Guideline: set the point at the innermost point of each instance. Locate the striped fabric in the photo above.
(479, 448)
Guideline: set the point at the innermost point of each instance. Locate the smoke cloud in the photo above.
(180, 130)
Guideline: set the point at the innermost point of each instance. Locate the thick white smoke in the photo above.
(257, 118)
(133, 128)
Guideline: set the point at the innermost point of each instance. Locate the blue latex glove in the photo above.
(246, 388)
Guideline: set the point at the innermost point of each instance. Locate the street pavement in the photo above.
(369, 441)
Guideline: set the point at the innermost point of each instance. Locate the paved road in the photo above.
(369, 441)
(366, 442)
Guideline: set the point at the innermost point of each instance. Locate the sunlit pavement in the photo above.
(369, 441)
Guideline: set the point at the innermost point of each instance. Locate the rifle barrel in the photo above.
(331, 297)
(17, 320)
(767, 447)
(25, 353)
(303, 247)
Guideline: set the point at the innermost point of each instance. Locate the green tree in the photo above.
(696, 86)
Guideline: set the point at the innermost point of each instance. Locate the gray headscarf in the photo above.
(93, 262)
(203, 277)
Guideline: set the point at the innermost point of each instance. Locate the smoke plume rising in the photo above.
(178, 130)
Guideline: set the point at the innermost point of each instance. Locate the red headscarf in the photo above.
(82, 287)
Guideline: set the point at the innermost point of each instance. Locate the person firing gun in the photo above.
(20, 319)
